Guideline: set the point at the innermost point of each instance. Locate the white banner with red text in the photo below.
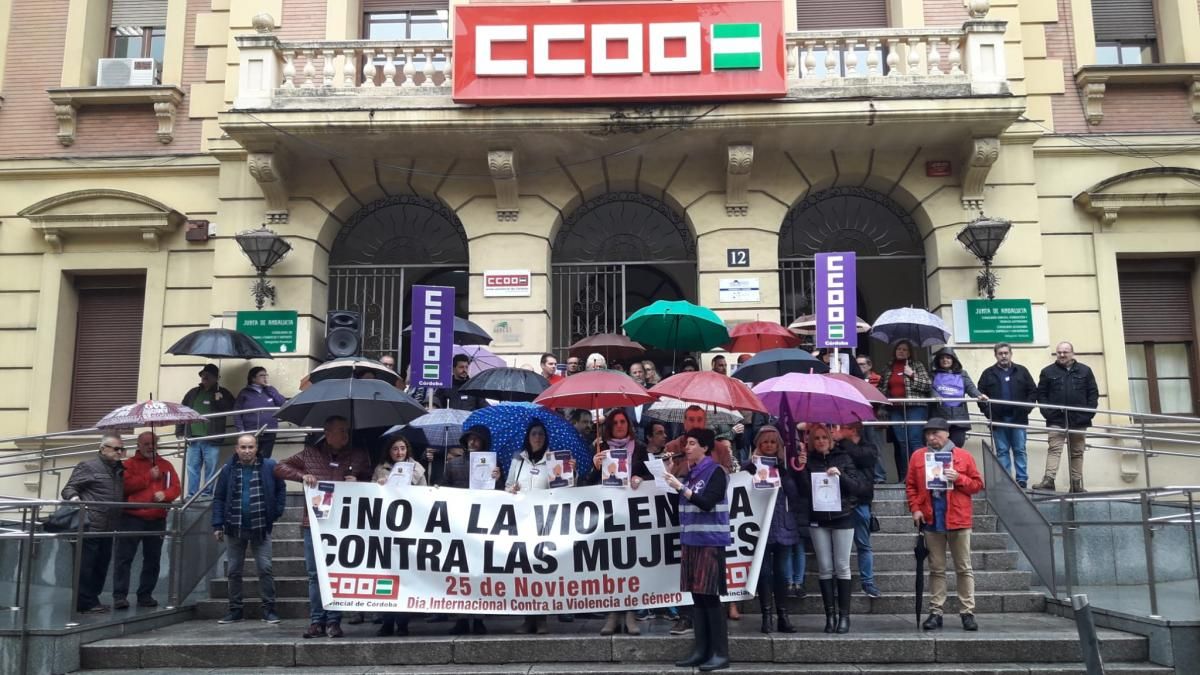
(583, 549)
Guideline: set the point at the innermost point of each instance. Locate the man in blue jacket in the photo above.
(247, 502)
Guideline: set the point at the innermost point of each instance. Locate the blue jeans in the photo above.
(796, 563)
(1011, 440)
(862, 544)
(200, 453)
(874, 436)
(235, 553)
(316, 610)
(909, 437)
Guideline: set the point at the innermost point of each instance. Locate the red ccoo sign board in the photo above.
(619, 51)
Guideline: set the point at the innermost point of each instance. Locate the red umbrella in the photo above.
(757, 336)
(148, 414)
(594, 389)
(612, 346)
(709, 388)
(869, 392)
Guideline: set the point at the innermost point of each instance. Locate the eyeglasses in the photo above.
(118, 448)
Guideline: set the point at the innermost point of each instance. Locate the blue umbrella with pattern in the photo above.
(507, 423)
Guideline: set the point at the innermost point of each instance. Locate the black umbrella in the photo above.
(366, 403)
(921, 552)
(465, 333)
(506, 384)
(775, 362)
(219, 343)
(350, 366)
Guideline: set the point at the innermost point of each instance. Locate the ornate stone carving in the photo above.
(1093, 94)
(267, 169)
(982, 155)
(165, 112)
(502, 164)
(66, 123)
(101, 211)
(737, 178)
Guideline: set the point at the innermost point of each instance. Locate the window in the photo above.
(825, 15)
(134, 42)
(1126, 33)
(108, 346)
(1158, 319)
(412, 24)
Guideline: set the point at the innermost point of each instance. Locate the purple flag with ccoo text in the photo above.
(836, 303)
(432, 336)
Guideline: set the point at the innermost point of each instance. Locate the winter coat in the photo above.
(917, 386)
(140, 487)
(1021, 386)
(1074, 386)
(528, 473)
(637, 465)
(960, 380)
(959, 510)
(865, 456)
(251, 398)
(95, 480)
(216, 425)
(274, 492)
(791, 510)
(855, 486)
(385, 469)
(326, 465)
(450, 398)
(458, 469)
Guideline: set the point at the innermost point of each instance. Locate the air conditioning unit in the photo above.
(127, 73)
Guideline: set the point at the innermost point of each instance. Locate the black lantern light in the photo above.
(264, 248)
(983, 237)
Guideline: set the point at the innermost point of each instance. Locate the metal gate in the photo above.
(380, 294)
(797, 283)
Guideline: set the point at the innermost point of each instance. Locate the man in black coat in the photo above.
(1008, 381)
(1066, 382)
(99, 479)
(450, 397)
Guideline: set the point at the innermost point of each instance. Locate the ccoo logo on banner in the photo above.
(837, 300)
(543, 552)
(432, 335)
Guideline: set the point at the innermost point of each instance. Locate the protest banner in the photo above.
(585, 549)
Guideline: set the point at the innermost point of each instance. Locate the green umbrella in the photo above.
(677, 325)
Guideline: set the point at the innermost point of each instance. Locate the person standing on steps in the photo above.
(945, 516)
(1008, 381)
(149, 479)
(832, 531)
(906, 377)
(99, 479)
(201, 456)
(332, 459)
(950, 381)
(790, 512)
(1066, 382)
(866, 456)
(258, 393)
(247, 502)
(704, 535)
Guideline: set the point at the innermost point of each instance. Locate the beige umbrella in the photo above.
(807, 325)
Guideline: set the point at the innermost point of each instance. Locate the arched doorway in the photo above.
(614, 255)
(381, 252)
(891, 256)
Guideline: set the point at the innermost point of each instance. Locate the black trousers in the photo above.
(93, 571)
(127, 548)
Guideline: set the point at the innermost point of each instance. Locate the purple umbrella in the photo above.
(481, 359)
(807, 397)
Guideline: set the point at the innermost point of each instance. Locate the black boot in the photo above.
(827, 599)
(764, 604)
(843, 591)
(700, 649)
(783, 625)
(718, 636)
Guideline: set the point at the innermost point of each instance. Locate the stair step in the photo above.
(990, 602)
(885, 639)
(667, 668)
(899, 507)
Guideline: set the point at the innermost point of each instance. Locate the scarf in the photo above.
(251, 526)
(621, 443)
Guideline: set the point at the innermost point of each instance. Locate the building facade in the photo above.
(334, 123)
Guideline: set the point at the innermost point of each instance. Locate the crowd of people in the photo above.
(249, 495)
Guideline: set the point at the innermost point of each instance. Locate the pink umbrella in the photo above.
(148, 414)
(481, 359)
(807, 397)
(863, 387)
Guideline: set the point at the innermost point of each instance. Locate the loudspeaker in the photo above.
(343, 334)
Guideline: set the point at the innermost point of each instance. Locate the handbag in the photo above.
(874, 524)
(65, 518)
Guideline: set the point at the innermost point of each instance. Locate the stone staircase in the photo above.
(1015, 635)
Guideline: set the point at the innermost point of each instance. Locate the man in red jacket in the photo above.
(149, 479)
(944, 513)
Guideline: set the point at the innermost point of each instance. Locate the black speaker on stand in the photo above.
(343, 334)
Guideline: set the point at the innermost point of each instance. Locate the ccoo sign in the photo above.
(636, 51)
(507, 283)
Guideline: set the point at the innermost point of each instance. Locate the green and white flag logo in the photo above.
(383, 587)
(737, 46)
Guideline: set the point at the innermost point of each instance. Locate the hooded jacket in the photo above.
(952, 383)
(458, 469)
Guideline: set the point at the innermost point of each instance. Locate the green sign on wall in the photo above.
(274, 330)
(1000, 320)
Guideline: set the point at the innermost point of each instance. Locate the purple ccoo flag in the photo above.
(432, 335)
(837, 300)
